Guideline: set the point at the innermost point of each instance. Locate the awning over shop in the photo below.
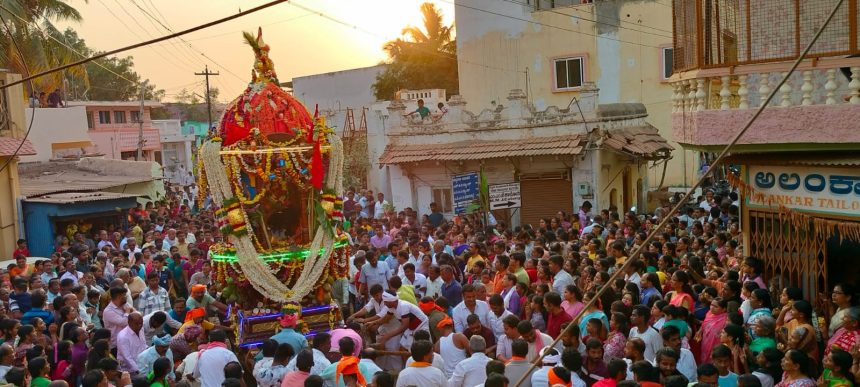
(481, 150)
(78, 197)
(640, 141)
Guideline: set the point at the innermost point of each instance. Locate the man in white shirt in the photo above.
(472, 371)
(420, 373)
(641, 329)
(540, 377)
(434, 282)
(154, 324)
(686, 362)
(470, 305)
(503, 344)
(417, 280)
(536, 339)
(410, 316)
(210, 366)
(379, 208)
(497, 315)
(561, 277)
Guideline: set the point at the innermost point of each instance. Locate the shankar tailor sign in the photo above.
(823, 190)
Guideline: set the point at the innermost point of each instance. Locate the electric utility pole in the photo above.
(140, 123)
(206, 73)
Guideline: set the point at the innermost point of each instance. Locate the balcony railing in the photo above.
(819, 104)
(824, 82)
(722, 33)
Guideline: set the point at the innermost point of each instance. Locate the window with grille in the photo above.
(119, 117)
(134, 115)
(104, 117)
(442, 197)
(667, 59)
(569, 73)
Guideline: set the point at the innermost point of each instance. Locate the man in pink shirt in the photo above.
(304, 362)
(351, 331)
(115, 315)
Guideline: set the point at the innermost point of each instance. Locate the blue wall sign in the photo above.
(464, 191)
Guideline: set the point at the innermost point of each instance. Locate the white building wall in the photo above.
(176, 148)
(53, 126)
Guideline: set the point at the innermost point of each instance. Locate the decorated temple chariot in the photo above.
(274, 172)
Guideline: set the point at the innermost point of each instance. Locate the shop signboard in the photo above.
(827, 190)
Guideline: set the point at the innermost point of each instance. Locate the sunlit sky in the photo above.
(302, 42)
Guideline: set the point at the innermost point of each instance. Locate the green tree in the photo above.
(108, 79)
(421, 59)
(26, 24)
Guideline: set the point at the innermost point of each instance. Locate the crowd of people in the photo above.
(432, 301)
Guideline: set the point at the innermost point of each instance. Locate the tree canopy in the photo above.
(420, 59)
(29, 40)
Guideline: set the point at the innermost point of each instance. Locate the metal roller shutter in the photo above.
(544, 198)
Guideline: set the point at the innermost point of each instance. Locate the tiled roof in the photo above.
(480, 150)
(78, 197)
(641, 141)
(8, 145)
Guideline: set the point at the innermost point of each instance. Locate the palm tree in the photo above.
(29, 25)
(421, 59)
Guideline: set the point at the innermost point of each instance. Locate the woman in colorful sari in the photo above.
(681, 294)
(799, 333)
(593, 311)
(848, 335)
(709, 334)
(761, 306)
(843, 298)
(795, 366)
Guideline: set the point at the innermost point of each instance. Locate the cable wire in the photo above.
(145, 43)
(145, 12)
(64, 44)
(546, 25)
(682, 202)
(138, 36)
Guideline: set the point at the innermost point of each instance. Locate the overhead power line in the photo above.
(547, 25)
(122, 21)
(189, 45)
(64, 44)
(145, 43)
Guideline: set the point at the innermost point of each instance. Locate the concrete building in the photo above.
(551, 49)
(336, 91)
(12, 146)
(560, 157)
(799, 162)
(114, 128)
(177, 150)
(59, 133)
